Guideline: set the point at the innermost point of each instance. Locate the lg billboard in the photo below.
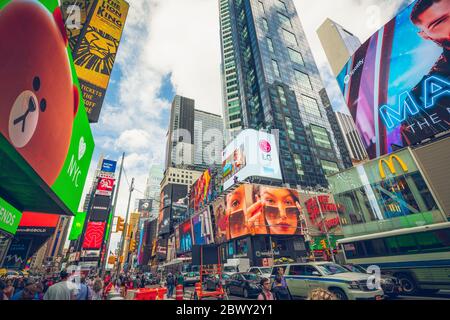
(397, 84)
(252, 154)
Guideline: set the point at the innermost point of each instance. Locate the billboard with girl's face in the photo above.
(262, 210)
(397, 84)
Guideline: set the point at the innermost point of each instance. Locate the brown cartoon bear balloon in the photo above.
(38, 100)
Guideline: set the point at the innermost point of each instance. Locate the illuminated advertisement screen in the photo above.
(105, 186)
(262, 210)
(251, 154)
(100, 208)
(396, 85)
(185, 232)
(201, 190)
(43, 122)
(221, 221)
(93, 238)
(201, 228)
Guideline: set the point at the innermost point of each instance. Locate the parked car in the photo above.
(302, 278)
(390, 284)
(212, 282)
(263, 272)
(243, 284)
(191, 278)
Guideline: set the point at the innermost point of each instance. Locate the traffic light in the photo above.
(132, 245)
(120, 224)
(323, 242)
(112, 260)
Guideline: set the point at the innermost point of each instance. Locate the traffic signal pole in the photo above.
(113, 213)
(122, 242)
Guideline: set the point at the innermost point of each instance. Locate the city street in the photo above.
(443, 295)
(265, 146)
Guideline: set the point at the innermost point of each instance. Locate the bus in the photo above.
(418, 257)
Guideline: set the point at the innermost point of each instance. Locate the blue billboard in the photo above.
(109, 166)
(397, 84)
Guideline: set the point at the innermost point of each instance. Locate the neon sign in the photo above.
(433, 88)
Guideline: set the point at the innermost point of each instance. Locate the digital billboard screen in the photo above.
(221, 221)
(262, 210)
(252, 154)
(93, 238)
(43, 122)
(185, 233)
(201, 228)
(100, 208)
(201, 190)
(396, 85)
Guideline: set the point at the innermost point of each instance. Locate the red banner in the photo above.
(105, 186)
(93, 238)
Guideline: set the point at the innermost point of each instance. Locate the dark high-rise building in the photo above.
(187, 129)
(271, 81)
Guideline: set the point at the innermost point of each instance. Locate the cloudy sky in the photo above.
(173, 46)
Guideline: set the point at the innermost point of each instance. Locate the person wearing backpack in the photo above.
(265, 294)
(280, 291)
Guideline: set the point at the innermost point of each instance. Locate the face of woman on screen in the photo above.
(280, 210)
(236, 213)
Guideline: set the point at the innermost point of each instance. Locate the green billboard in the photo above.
(77, 226)
(45, 136)
(9, 217)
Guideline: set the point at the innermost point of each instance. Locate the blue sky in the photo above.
(173, 46)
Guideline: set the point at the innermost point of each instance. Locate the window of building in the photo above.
(261, 5)
(265, 25)
(303, 80)
(276, 69)
(296, 57)
(290, 37)
(270, 45)
(282, 95)
(281, 6)
(321, 136)
(311, 105)
(285, 21)
(329, 167)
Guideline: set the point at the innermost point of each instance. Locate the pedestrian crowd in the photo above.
(65, 286)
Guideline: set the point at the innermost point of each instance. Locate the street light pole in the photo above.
(122, 242)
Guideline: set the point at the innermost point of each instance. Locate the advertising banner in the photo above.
(75, 13)
(77, 226)
(185, 231)
(397, 84)
(316, 206)
(100, 209)
(44, 128)
(221, 221)
(201, 228)
(109, 166)
(9, 217)
(96, 52)
(252, 154)
(17, 254)
(164, 221)
(262, 210)
(39, 224)
(201, 191)
(105, 187)
(145, 207)
(93, 238)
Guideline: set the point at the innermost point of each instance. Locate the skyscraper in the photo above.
(271, 81)
(153, 188)
(188, 130)
(338, 43)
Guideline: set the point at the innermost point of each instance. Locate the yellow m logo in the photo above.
(391, 165)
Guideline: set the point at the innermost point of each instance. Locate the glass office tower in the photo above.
(271, 81)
